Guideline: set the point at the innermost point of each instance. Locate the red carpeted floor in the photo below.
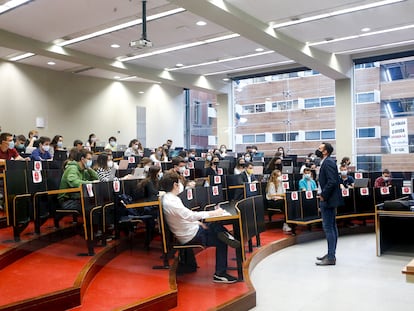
(126, 279)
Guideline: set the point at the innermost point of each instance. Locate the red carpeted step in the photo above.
(127, 279)
(49, 269)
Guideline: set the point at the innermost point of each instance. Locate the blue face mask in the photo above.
(88, 163)
(60, 144)
(11, 144)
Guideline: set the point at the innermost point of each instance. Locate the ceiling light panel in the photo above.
(42, 61)
(105, 13)
(166, 32)
(340, 26)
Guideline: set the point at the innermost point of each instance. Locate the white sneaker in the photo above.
(286, 228)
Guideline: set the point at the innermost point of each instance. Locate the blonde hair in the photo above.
(273, 179)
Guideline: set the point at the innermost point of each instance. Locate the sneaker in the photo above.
(224, 278)
(227, 238)
(286, 228)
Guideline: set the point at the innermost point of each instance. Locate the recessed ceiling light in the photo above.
(179, 65)
(365, 29)
(141, 92)
(201, 23)
(117, 77)
(115, 46)
(226, 79)
(259, 50)
(51, 63)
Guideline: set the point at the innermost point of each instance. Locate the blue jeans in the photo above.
(329, 227)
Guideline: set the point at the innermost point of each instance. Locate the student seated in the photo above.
(384, 180)
(7, 150)
(41, 153)
(275, 193)
(247, 175)
(186, 225)
(76, 173)
(346, 180)
(307, 183)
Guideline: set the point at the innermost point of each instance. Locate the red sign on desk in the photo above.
(190, 164)
(189, 194)
(358, 175)
(37, 177)
(38, 165)
(186, 172)
(217, 180)
(345, 192)
(406, 190)
(220, 171)
(309, 195)
(285, 185)
(215, 190)
(294, 195)
(116, 185)
(285, 177)
(364, 191)
(385, 190)
(131, 159)
(253, 187)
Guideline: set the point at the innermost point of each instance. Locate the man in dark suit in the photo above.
(329, 199)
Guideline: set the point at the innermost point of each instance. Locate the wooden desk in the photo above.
(234, 219)
(394, 231)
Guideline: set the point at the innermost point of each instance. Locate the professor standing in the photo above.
(329, 199)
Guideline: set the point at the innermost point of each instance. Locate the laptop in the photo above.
(123, 164)
(361, 183)
(287, 170)
(139, 173)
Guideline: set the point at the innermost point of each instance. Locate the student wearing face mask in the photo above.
(212, 170)
(112, 144)
(188, 228)
(91, 142)
(307, 183)
(275, 195)
(346, 180)
(103, 167)
(19, 144)
(41, 153)
(247, 175)
(179, 167)
(192, 155)
(133, 148)
(240, 166)
(247, 157)
(7, 150)
(76, 172)
(223, 151)
(56, 144)
(209, 158)
(384, 180)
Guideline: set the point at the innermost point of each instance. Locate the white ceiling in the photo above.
(35, 26)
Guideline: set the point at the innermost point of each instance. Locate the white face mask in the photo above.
(112, 143)
(181, 169)
(344, 173)
(46, 148)
(279, 178)
(110, 163)
(146, 168)
(307, 176)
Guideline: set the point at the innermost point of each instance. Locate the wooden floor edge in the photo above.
(58, 301)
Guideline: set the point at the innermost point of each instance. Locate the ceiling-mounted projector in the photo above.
(140, 44)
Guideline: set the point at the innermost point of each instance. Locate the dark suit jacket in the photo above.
(329, 182)
(244, 177)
